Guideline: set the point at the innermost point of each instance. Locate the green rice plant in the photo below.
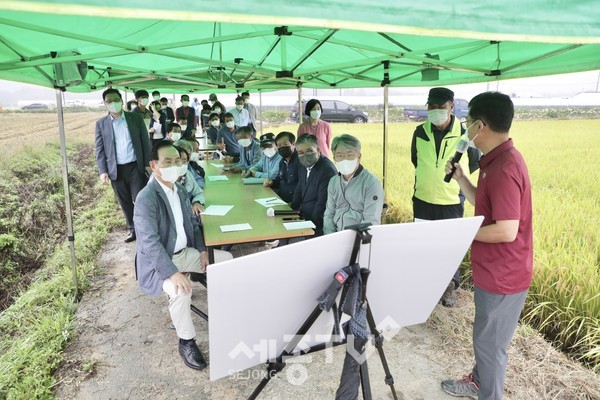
(563, 159)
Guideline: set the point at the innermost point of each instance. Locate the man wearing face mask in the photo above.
(268, 165)
(156, 95)
(433, 142)
(174, 134)
(168, 111)
(142, 99)
(226, 138)
(316, 127)
(170, 246)
(502, 251)
(249, 150)
(251, 111)
(196, 169)
(286, 180)
(122, 154)
(310, 196)
(214, 124)
(186, 117)
(240, 114)
(354, 195)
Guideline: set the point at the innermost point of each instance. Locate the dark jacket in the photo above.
(191, 120)
(310, 196)
(286, 181)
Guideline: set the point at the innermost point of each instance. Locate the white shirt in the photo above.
(175, 204)
(308, 171)
(123, 144)
(241, 118)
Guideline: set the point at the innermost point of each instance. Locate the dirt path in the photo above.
(126, 350)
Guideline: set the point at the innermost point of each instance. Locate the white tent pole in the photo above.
(385, 132)
(260, 111)
(68, 211)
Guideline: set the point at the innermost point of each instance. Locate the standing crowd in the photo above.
(149, 154)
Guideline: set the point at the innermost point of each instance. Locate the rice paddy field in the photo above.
(563, 158)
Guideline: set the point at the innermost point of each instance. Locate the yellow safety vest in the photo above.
(431, 169)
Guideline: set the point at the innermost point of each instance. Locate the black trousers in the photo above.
(130, 181)
(434, 212)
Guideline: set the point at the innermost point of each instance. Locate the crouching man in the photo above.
(169, 246)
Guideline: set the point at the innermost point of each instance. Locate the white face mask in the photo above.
(157, 98)
(246, 100)
(170, 174)
(215, 123)
(183, 128)
(115, 106)
(346, 167)
(239, 107)
(217, 110)
(471, 141)
(183, 169)
(230, 124)
(315, 114)
(185, 103)
(270, 152)
(175, 136)
(437, 117)
(245, 142)
(194, 157)
(144, 101)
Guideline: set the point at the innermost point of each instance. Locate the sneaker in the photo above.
(449, 297)
(464, 387)
(272, 244)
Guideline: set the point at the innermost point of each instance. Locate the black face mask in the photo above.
(285, 151)
(309, 159)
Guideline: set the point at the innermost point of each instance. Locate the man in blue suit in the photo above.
(170, 245)
(122, 153)
(310, 196)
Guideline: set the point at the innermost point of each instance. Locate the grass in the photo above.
(38, 325)
(563, 159)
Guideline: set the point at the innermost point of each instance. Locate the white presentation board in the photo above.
(257, 302)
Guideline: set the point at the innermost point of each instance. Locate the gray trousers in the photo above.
(496, 318)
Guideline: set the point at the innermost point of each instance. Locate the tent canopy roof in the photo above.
(268, 44)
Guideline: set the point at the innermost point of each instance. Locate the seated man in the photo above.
(226, 138)
(186, 179)
(169, 246)
(268, 165)
(355, 195)
(310, 196)
(284, 184)
(249, 147)
(173, 134)
(196, 169)
(214, 124)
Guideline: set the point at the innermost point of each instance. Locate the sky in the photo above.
(553, 86)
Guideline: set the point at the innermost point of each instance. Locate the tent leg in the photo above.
(68, 211)
(260, 111)
(385, 132)
(300, 110)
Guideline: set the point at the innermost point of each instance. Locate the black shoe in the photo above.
(198, 277)
(130, 237)
(191, 355)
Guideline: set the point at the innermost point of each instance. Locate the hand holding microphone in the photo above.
(461, 147)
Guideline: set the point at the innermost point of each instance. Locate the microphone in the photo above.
(271, 212)
(461, 147)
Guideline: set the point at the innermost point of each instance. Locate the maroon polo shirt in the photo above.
(504, 193)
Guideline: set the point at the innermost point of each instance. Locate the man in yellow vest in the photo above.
(433, 144)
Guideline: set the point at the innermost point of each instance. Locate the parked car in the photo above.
(333, 111)
(35, 106)
(461, 109)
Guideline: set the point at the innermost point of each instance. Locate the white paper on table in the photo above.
(235, 227)
(299, 225)
(217, 165)
(214, 178)
(217, 210)
(270, 201)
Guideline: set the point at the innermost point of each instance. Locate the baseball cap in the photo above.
(266, 139)
(440, 95)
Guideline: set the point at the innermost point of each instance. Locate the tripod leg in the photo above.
(365, 383)
(378, 338)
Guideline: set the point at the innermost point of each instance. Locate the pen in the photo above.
(270, 200)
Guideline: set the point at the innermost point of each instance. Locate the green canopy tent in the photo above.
(191, 46)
